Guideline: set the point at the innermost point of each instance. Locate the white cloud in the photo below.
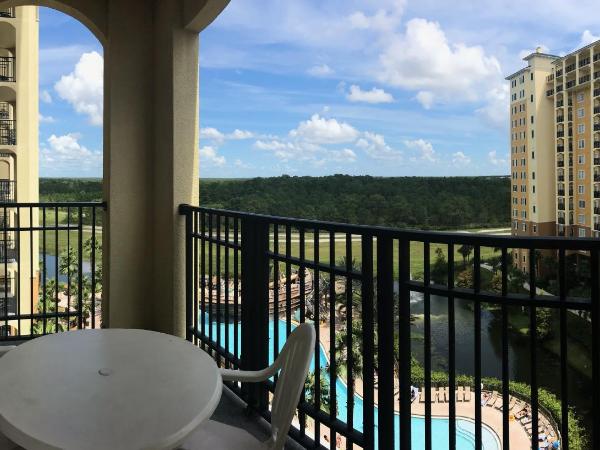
(65, 152)
(423, 148)
(587, 38)
(46, 119)
(495, 111)
(45, 96)
(211, 134)
(496, 160)
(320, 70)
(321, 130)
(344, 155)
(375, 146)
(422, 59)
(83, 88)
(459, 159)
(375, 95)
(239, 135)
(426, 99)
(210, 156)
(382, 20)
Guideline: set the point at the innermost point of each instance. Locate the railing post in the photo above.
(189, 273)
(255, 307)
(385, 339)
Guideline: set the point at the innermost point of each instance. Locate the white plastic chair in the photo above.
(293, 362)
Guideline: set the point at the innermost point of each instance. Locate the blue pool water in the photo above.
(465, 429)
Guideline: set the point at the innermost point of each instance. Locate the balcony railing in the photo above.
(560, 148)
(584, 62)
(596, 161)
(596, 75)
(7, 191)
(561, 178)
(596, 194)
(596, 109)
(597, 177)
(560, 119)
(561, 192)
(560, 163)
(559, 88)
(549, 92)
(52, 292)
(584, 79)
(561, 220)
(597, 127)
(571, 83)
(559, 73)
(561, 206)
(596, 92)
(596, 144)
(251, 278)
(8, 132)
(570, 68)
(7, 68)
(560, 134)
(596, 209)
(7, 13)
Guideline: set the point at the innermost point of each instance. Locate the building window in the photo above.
(524, 227)
(533, 175)
(581, 159)
(581, 189)
(534, 226)
(534, 209)
(533, 189)
(581, 144)
(581, 112)
(580, 97)
(532, 155)
(531, 76)
(531, 98)
(581, 128)
(581, 219)
(531, 119)
(581, 174)
(532, 134)
(581, 203)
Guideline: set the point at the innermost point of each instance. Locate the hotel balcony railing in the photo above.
(561, 192)
(560, 148)
(7, 68)
(59, 289)
(597, 127)
(560, 163)
(561, 178)
(8, 132)
(596, 209)
(597, 177)
(596, 194)
(570, 117)
(7, 191)
(570, 132)
(596, 144)
(596, 109)
(7, 13)
(571, 192)
(596, 92)
(560, 119)
(570, 68)
(571, 83)
(549, 92)
(584, 62)
(550, 78)
(561, 220)
(596, 57)
(560, 103)
(596, 161)
(561, 206)
(559, 88)
(559, 73)
(560, 134)
(596, 75)
(585, 78)
(292, 270)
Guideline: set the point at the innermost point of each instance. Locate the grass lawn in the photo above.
(64, 238)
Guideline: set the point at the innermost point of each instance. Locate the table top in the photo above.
(106, 389)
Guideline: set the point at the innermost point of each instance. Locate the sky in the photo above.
(362, 87)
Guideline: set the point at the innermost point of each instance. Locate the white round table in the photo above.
(106, 389)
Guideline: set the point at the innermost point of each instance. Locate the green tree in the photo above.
(465, 251)
(439, 271)
(324, 395)
(341, 349)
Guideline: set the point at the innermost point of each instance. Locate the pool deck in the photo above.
(490, 415)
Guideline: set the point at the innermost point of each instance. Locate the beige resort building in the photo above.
(555, 146)
(18, 160)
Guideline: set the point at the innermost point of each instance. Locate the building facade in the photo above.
(19, 116)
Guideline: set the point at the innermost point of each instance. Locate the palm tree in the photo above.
(341, 350)
(310, 390)
(465, 250)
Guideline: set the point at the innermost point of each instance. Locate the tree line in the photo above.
(403, 202)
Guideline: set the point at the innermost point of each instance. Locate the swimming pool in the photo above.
(465, 428)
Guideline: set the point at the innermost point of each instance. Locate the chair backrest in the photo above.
(294, 361)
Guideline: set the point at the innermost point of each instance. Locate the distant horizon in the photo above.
(297, 176)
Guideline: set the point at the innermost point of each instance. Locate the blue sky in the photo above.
(378, 87)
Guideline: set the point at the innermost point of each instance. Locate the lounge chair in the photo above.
(460, 394)
(512, 403)
(446, 391)
(422, 395)
(494, 398)
(467, 394)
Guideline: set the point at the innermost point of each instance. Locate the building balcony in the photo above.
(560, 119)
(561, 178)
(570, 68)
(560, 134)
(596, 92)
(561, 220)
(571, 84)
(584, 79)
(7, 69)
(559, 88)
(597, 226)
(596, 144)
(8, 132)
(549, 92)
(561, 192)
(597, 127)
(596, 209)
(7, 191)
(559, 73)
(561, 206)
(596, 194)
(596, 75)
(596, 109)
(571, 193)
(560, 148)
(7, 13)
(550, 78)
(560, 163)
(597, 177)
(584, 62)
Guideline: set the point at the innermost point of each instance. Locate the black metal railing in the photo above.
(570, 68)
(561, 178)
(584, 62)
(559, 73)
(561, 192)
(8, 132)
(251, 278)
(560, 119)
(584, 79)
(7, 68)
(549, 92)
(560, 163)
(7, 191)
(560, 134)
(571, 83)
(7, 13)
(560, 148)
(54, 255)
